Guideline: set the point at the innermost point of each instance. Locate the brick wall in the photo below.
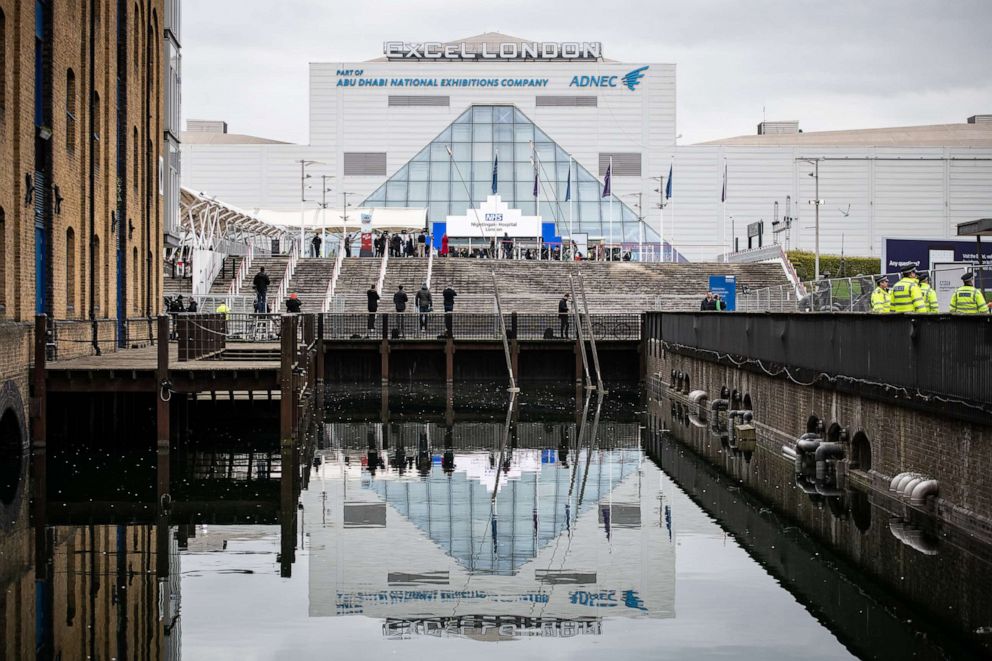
(956, 453)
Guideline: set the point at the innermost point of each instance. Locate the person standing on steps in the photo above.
(424, 304)
(293, 304)
(421, 244)
(347, 245)
(373, 296)
(399, 301)
(315, 246)
(261, 285)
(449, 307)
(563, 317)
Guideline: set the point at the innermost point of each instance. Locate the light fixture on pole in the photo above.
(323, 209)
(304, 164)
(660, 190)
(344, 217)
(818, 203)
(640, 224)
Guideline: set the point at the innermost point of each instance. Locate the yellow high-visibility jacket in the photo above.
(880, 300)
(968, 300)
(930, 298)
(906, 297)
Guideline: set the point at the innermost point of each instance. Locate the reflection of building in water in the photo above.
(527, 541)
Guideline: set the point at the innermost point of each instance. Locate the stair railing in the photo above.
(430, 265)
(235, 287)
(382, 272)
(332, 285)
(283, 291)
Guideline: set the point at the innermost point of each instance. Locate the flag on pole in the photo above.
(495, 171)
(607, 189)
(723, 191)
(535, 181)
(668, 185)
(568, 184)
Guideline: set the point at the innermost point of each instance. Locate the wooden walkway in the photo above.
(146, 358)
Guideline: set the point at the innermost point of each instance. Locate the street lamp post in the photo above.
(323, 209)
(660, 190)
(815, 162)
(304, 164)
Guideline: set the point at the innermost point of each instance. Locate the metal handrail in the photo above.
(382, 271)
(332, 285)
(283, 291)
(235, 287)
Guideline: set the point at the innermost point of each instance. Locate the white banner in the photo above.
(946, 278)
(494, 218)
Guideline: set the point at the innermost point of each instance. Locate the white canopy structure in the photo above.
(206, 223)
(330, 220)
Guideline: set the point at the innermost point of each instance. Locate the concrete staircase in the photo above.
(525, 286)
(310, 281)
(276, 268)
(222, 283)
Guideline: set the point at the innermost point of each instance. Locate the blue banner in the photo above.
(725, 286)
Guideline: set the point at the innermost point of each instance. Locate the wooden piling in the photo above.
(163, 394)
(449, 362)
(39, 395)
(287, 447)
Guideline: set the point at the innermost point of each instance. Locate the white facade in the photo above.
(380, 114)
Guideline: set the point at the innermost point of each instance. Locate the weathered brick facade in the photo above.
(80, 114)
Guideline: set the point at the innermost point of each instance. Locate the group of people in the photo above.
(423, 303)
(712, 303)
(400, 244)
(913, 293)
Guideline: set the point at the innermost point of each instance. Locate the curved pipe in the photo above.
(924, 490)
(719, 405)
(698, 397)
(805, 485)
(828, 491)
(895, 481)
(825, 452)
(916, 540)
(907, 488)
(789, 453)
(807, 446)
(905, 479)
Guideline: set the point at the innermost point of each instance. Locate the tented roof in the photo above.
(208, 218)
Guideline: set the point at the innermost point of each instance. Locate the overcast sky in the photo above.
(831, 64)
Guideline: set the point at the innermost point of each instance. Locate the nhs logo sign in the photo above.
(629, 80)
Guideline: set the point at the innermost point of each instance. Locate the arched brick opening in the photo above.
(748, 406)
(861, 452)
(812, 424)
(834, 432)
(11, 456)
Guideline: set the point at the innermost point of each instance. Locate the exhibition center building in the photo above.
(571, 143)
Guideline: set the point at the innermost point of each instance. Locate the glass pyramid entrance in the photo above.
(451, 184)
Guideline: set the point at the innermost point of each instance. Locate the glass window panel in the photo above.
(418, 190)
(526, 206)
(523, 132)
(628, 213)
(482, 151)
(417, 204)
(378, 195)
(445, 136)
(439, 191)
(461, 170)
(394, 203)
(505, 150)
(546, 152)
(439, 151)
(550, 189)
(588, 211)
(419, 171)
(440, 170)
(519, 117)
(437, 211)
(524, 171)
(560, 154)
(506, 172)
(396, 191)
(482, 171)
(589, 191)
(541, 136)
(461, 133)
(400, 175)
(482, 133)
(503, 133)
(482, 114)
(522, 152)
(524, 190)
(631, 231)
(462, 151)
(459, 192)
(464, 118)
(481, 190)
(504, 114)
(585, 175)
(549, 211)
(562, 169)
(423, 155)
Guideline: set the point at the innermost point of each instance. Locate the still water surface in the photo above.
(544, 530)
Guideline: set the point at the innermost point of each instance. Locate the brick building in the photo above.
(89, 114)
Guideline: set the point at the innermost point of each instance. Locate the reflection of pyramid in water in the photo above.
(452, 183)
(530, 510)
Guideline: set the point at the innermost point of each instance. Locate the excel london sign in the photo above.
(530, 50)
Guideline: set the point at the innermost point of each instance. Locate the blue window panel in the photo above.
(523, 171)
(396, 191)
(378, 196)
(550, 211)
(417, 204)
(503, 114)
(445, 136)
(440, 170)
(419, 171)
(505, 150)
(482, 151)
(482, 115)
(439, 152)
(524, 190)
(464, 118)
(480, 191)
(401, 175)
(503, 133)
(418, 190)
(546, 152)
(422, 155)
(459, 192)
(588, 191)
(519, 117)
(562, 171)
(461, 133)
(437, 211)
(542, 137)
(527, 207)
(523, 132)
(482, 171)
(440, 191)
(588, 211)
(461, 151)
(482, 133)
(522, 151)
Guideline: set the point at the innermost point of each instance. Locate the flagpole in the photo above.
(661, 219)
(723, 206)
(611, 209)
(571, 209)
